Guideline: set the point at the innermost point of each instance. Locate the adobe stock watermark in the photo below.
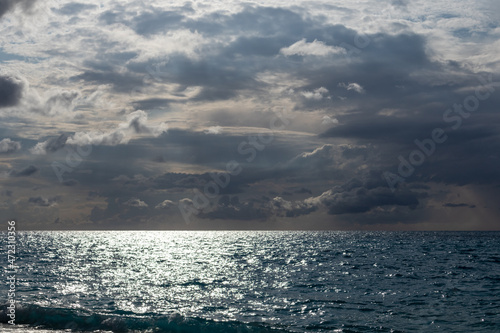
(427, 147)
(74, 157)
(249, 148)
(361, 41)
(11, 272)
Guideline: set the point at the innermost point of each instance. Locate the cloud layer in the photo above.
(325, 115)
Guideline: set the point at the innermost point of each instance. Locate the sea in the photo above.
(253, 281)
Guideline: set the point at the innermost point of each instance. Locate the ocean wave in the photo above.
(81, 321)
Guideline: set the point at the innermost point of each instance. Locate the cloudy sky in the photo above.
(250, 115)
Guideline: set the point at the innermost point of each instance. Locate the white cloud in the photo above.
(165, 204)
(44, 202)
(327, 120)
(9, 146)
(51, 103)
(283, 207)
(353, 86)
(59, 102)
(39, 148)
(51, 145)
(137, 123)
(295, 208)
(322, 199)
(315, 48)
(214, 130)
(280, 203)
(316, 94)
(323, 151)
(320, 155)
(134, 202)
(111, 138)
(186, 201)
(121, 178)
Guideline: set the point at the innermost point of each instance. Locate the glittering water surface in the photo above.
(218, 281)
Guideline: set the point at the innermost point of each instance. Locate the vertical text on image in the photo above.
(11, 271)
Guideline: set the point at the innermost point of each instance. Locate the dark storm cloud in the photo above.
(181, 180)
(105, 67)
(51, 145)
(10, 91)
(230, 208)
(303, 190)
(217, 150)
(121, 82)
(361, 200)
(137, 203)
(222, 73)
(44, 202)
(106, 61)
(354, 152)
(325, 163)
(284, 208)
(70, 182)
(214, 94)
(455, 205)
(259, 46)
(176, 146)
(28, 171)
(219, 79)
(383, 69)
(266, 164)
(472, 163)
(385, 64)
(393, 93)
(381, 128)
(408, 125)
(123, 211)
(119, 208)
(55, 144)
(152, 103)
(354, 199)
(8, 5)
(385, 215)
(469, 153)
(199, 181)
(198, 148)
(237, 184)
(115, 172)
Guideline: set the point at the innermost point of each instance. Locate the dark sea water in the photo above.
(231, 281)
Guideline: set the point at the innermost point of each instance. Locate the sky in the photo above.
(344, 115)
